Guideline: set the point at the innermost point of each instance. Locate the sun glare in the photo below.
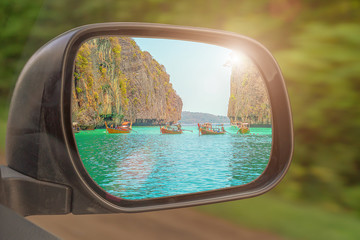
(236, 58)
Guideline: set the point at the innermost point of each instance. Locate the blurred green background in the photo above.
(317, 45)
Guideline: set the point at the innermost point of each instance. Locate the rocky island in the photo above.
(115, 81)
(248, 97)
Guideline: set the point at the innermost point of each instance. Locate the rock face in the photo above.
(248, 97)
(115, 81)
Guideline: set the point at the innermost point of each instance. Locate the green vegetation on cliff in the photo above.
(115, 81)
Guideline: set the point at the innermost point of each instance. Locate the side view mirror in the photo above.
(131, 117)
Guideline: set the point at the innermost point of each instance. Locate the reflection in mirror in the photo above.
(156, 117)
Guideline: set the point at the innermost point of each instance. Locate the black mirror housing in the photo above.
(40, 141)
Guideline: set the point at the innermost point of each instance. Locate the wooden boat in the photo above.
(208, 129)
(170, 130)
(76, 128)
(124, 128)
(244, 128)
(210, 132)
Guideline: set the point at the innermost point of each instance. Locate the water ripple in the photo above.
(146, 164)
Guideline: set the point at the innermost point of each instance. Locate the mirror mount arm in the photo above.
(28, 196)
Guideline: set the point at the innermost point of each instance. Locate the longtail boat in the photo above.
(208, 129)
(165, 130)
(124, 128)
(171, 129)
(244, 128)
(76, 128)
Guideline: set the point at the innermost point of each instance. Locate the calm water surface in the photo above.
(146, 164)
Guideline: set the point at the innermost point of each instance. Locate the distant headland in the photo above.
(198, 117)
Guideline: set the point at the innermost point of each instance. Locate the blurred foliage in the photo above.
(16, 20)
(317, 45)
(3, 118)
(287, 219)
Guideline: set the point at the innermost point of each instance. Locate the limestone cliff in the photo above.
(115, 81)
(248, 97)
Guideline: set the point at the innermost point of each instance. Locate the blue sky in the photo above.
(196, 71)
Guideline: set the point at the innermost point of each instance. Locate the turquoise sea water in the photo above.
(146, 164)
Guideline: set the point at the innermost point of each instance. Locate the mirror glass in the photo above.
(159, 117)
